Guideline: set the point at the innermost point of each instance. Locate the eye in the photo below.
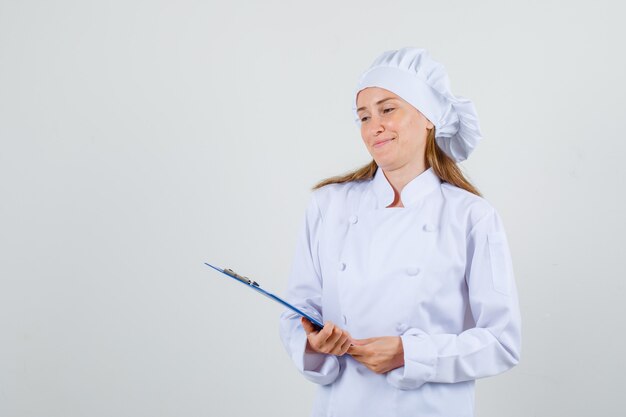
(389, 108)
(363, 118)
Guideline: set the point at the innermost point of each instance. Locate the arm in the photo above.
(305, 292)
(494, 344)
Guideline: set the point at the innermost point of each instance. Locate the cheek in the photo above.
(406, 129)
(415, 129)
(404, 122)
(413, 123)
(363, 136)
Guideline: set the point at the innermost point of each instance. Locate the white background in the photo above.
(139, 139)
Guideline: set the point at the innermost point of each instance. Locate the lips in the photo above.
(380, 143)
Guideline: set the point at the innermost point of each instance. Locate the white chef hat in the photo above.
(413, 75)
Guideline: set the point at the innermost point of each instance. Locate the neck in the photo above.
(401, 176)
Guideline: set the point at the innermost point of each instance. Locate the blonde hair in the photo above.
(444, 166)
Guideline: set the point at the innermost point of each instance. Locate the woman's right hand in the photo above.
(330, 340)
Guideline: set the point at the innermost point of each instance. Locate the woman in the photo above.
(404, 262)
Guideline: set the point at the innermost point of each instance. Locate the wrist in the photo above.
(399, 356)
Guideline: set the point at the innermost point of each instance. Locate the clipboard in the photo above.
(255, 286)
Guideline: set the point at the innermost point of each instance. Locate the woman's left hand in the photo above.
(380, 354)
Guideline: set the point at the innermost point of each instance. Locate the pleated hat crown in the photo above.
(423, 82)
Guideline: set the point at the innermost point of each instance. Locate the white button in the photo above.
(413, 270)
(429, 227)
(360, 369)
(353, 219)
(342, 266)
(345, 319)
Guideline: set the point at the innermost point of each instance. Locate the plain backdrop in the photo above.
(139, 139)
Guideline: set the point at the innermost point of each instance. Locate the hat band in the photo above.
(409, 87)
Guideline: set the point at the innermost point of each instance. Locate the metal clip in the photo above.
(241, 278)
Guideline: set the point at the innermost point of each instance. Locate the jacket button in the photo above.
(353, 219)
(429, 227)
(342, 266)
(412, 270)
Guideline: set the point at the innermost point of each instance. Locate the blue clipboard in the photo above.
(255, 286)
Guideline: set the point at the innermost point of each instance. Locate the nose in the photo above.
(375, 126)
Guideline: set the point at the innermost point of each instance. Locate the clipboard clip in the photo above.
(241, 278)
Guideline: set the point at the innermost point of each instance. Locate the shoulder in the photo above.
(468, 207)
(332, 197)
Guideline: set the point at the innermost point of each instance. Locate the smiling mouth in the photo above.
(382, 143)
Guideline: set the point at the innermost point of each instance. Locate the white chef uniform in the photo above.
(436, 272)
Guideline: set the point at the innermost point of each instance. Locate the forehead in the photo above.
(371, 95)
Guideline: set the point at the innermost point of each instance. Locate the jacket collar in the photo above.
(411, 194)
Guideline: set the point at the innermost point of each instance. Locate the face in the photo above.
(393, 131)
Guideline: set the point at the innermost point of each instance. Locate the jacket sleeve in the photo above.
(305, 292)
(494, 344)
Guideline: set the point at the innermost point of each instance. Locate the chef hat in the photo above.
(413, 75)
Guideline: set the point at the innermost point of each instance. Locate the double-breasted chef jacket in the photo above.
(436, 272)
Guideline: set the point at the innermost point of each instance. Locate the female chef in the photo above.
(403, 260)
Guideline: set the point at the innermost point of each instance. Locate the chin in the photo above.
(384, 163)
(386, 166)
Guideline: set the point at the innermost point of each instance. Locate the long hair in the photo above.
(444, 166)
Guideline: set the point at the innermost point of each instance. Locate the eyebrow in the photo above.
(377, 103)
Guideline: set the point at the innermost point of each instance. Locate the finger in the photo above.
(346, 345)
(320, 338)
(356, 355)
(307, 325)
(336, 348)
(362, 342)
(326, 331)
(310, 327)
(361, 351)
(345, 337)
(355, 350)
(337, 337)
